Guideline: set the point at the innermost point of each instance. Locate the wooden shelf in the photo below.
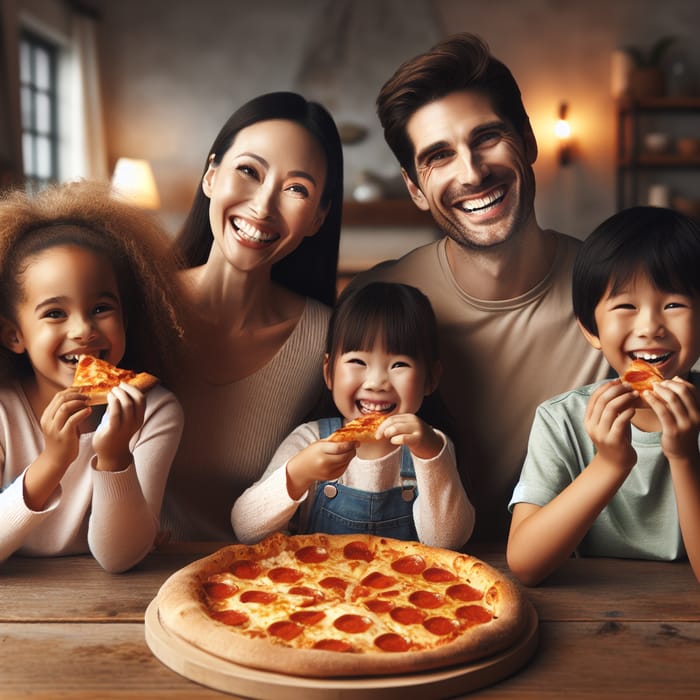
(385, 212)
(633, 159)
(649, 104)
(661, 160)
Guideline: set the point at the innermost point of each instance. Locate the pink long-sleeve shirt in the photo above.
(113, 515)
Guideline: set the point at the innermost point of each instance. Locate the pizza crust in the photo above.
(183, 612)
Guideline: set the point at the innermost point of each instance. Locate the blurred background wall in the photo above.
(172, 72)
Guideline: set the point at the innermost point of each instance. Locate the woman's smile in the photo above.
(250, 234)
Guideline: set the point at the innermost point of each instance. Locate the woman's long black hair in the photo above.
(311, 269)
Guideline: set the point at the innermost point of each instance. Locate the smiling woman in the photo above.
(260, 249)
(265, 194)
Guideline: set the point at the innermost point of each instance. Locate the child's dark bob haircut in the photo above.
(398, 316)
(660, 243)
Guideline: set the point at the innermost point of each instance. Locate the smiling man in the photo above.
(500, 285)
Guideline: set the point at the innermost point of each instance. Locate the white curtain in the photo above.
(84, 151)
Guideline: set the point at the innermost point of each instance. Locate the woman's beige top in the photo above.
(232, 430)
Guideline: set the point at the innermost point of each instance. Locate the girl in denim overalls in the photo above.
(381, 356)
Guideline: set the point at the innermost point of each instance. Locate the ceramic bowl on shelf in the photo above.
(688, 146)
(686, 205)
(656, 142)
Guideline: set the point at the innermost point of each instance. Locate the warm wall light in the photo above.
(133, 180)
(562, 130)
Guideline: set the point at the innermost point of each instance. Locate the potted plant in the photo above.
(647, 76)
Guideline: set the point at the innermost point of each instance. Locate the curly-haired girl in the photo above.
(78, 268)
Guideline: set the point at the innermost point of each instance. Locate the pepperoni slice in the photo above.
(407, 616)
(358, 550)
(310, 595)
(246, 569)
(441, 626)
(306, 591)
(641, 375)
(312, 554)
(258, 597)
(473, 614)
(334, 582)
(463, 592)
(379, 606)
(285, 629)
(235, 618)
(412, 564)
(284, 574)
(389, 594)
(378, 580)
(435, 575)
(637, 377)
(307, 617)
(333, 645)
(352, 624)
(426, 599)
(391, 642)
(220, 591)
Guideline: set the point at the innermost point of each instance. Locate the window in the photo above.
(38, 79)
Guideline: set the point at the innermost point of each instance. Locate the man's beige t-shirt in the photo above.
(501, 359)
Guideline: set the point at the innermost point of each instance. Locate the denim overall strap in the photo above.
(326, 426)
(408, 473)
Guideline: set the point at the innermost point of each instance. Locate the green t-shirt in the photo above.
(641, 520)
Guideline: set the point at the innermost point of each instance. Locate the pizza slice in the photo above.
(96, 377)
(360, 429)
(642, 376)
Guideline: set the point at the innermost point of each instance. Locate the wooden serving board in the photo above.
(214, 672)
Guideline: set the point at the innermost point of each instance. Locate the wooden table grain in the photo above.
(607, 628)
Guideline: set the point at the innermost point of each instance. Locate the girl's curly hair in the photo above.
(87, 214)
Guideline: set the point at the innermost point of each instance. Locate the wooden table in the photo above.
(608, 628)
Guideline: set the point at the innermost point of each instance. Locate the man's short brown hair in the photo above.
(459, 62)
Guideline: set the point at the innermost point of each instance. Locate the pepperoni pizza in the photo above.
(96, 377)
(342, 605)
(642, 376)
(360, 429)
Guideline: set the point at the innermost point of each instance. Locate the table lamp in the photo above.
(133, 180)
